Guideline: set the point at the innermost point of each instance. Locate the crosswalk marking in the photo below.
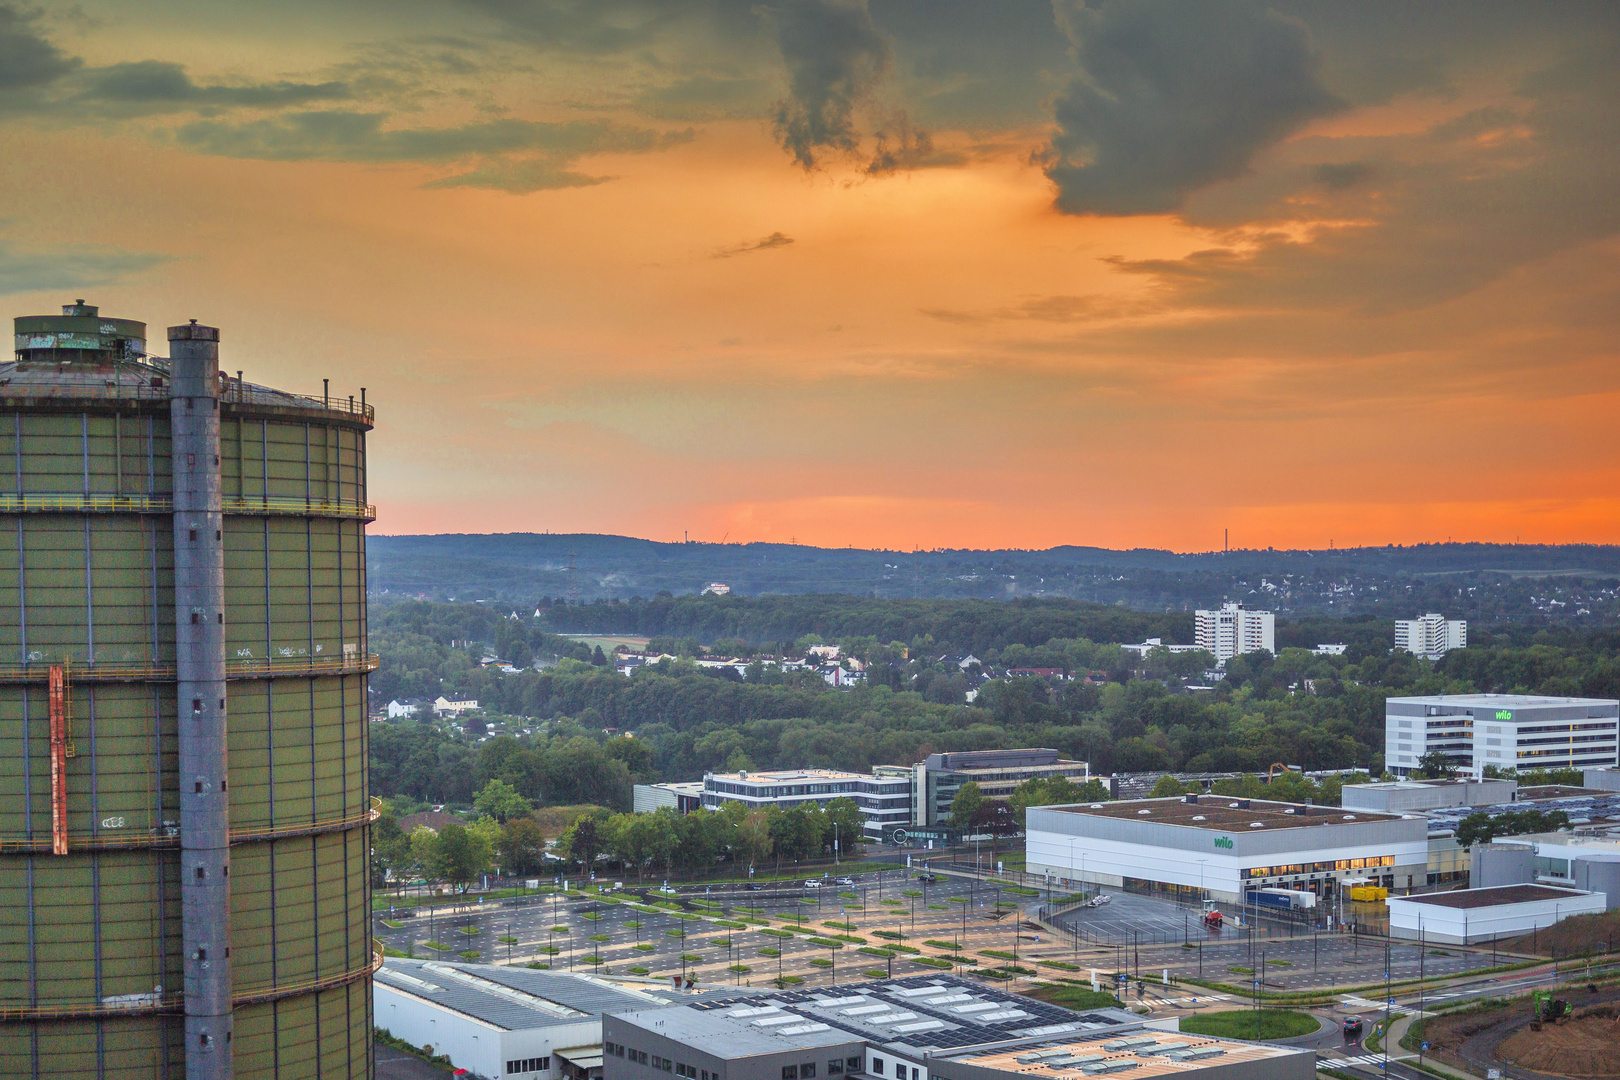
(1364, 1003)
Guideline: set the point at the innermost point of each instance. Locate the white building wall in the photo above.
(1109, 862)
(1463, 926)
(1234, 629)
(472, 1044)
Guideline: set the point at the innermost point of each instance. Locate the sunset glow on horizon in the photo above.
(1118, 274)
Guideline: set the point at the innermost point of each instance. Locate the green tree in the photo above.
(390, 851)
(967, 802)
(850, 832)
(1435, 765)
(1167, 786)
(463, 855)
(501, 801)
(427, 854)
(584, 839)
(522, 847)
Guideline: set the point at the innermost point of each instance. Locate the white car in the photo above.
(669, 890)
(813, 883)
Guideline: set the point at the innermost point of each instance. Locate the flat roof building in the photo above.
(1233, 629)
(1509, 731)
(1466, 916)
(1430, 636)
(1222, 848)
(924, 1027)
(883, 796)
(997, 772)
(500, 1021)
(1406, 796)
(682, 797)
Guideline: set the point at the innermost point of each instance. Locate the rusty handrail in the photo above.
(65, 502)
(144, 391)
(236, 668)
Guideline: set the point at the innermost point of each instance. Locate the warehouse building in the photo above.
(1221, 848)
(1416, 796)
(925, 1027)
(1509, 731)
(1559, 859)
(1469, 916)
(682, 797)
(502, 1022)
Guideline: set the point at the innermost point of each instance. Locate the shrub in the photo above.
(643, 947)
(930, 961)
(470, 954)
(691, 958)
(820, 962)
(942, 944)
(768, 951)
(507, 940)
(638, 970)
(827, 943)
(892, 935)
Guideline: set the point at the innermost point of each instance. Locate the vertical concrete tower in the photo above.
(184, 822)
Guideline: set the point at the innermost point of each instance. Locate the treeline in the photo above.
(1316, 712)
(948, 625)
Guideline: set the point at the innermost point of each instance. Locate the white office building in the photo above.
(1431, 636)
(1509, 731)
(1235, 629)
(884, 796)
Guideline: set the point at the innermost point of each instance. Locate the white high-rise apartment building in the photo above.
(1235, 629)
(1431, 635)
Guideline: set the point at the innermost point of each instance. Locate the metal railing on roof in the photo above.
(85, 388)
(168, 836)
(66, 503)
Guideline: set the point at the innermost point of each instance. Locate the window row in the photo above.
(534, 1064)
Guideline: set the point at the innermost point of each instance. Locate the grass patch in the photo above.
(939, 907)
(731, 924)
(1078, 998)
(591, 959)
(739, 969)
(892, 935)
(852, 939)
(549, 950)
(643, 947)
(1279, 963)
(750, 910)
(391, 924)
(826, 943)
(470, 931)
(787, 980)
(1061, 965)
(848, 896)
(723, 942)
(997, 954)
(876, 973)
(638, 970)
(687, 915)
(910, 892)
(389, 950)
(931, 961)
(633, 924)
(1241, 1024)
(942, 944)
(820, 962)
(537, 965)
(1241, 970)
(469, 954)
(599, 937)
(507, 940)
(436, 946)
(893, 903)
(594, 916)
(869, 951)
(775, 933)
(559, 930)
(847, 927)
(674, 933)
(768, 951)
(691, 958)
(956, 899)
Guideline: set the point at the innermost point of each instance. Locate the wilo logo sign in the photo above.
(1504, 714)
(1223, 842)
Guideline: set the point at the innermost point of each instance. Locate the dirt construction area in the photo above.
(1583, 1047)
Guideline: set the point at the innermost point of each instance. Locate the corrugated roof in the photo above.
(516, 999)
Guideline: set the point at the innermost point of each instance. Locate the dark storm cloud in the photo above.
(835, 57)
(27, 58)
(157, 85)
(1174, 97)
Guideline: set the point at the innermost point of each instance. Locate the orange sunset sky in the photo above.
(964, 274)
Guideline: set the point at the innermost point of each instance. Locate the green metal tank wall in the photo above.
(90, 941)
